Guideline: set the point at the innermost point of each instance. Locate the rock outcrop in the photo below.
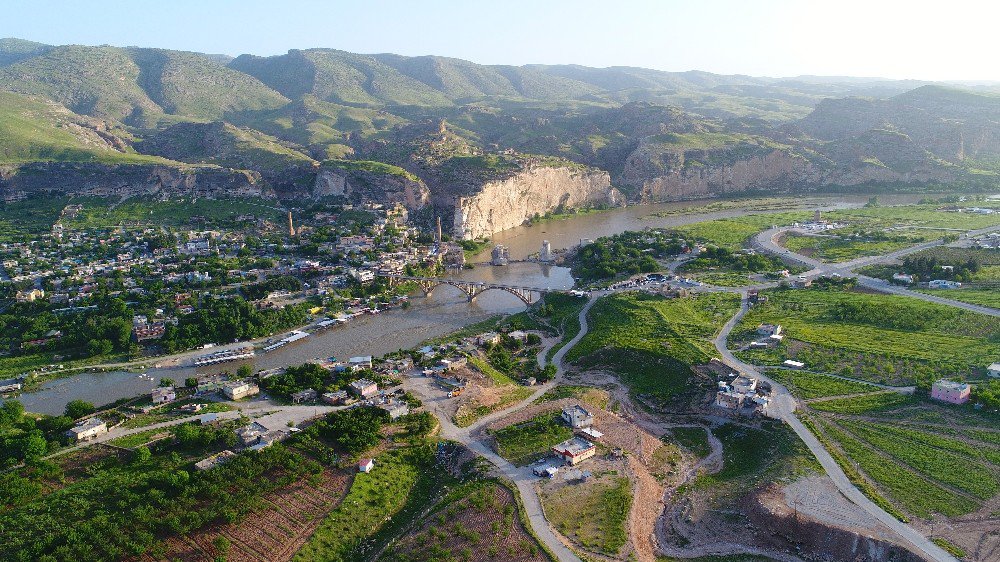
(772, 171)
(536, 190)
(127, 180)
(359, 185)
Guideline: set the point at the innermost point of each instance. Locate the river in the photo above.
(446, 310)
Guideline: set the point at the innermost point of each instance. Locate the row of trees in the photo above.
(926, 267)
(225, 320)
(724, 258)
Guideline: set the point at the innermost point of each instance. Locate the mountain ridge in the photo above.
(458, 127)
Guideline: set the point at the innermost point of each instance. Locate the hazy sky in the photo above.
(896, 39)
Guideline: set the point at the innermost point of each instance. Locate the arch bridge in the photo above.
(472, 289)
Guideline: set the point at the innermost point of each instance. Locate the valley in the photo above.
(327, 305)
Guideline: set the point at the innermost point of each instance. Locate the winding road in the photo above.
(766, 242)
(522, 477)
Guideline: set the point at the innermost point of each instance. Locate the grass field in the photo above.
(982, 297)
(836, 249)
(588, 394)
(652, 342)
(808, 385)
(732, 233)
(693, 439)
(509, 395)
(475, 521)
(751, 456)
(402, 482)
(914, 494)
(914, 457)
(914, 216)
(593, 514)
(485, 368)
(882, 338)
(863, 404)
(526, 442)
(722, 279)
(100, 213)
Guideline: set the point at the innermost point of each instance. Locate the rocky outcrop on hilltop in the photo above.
(362, 185)
(536, 190)
(127, 180)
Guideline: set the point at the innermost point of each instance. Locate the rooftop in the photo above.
(951, 385)
(573, 446)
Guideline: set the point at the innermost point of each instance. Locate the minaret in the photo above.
(439, 231)
(291, 225)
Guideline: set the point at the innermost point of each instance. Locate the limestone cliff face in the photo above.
(876, 159)
(127, 180)
(387, 189)
(506, 203)
(771, 171)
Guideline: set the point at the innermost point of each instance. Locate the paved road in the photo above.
(471, 437)
(783, 407)
(765, 242)
(268, 414)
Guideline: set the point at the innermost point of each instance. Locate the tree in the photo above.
(166, 382)
(244, 371)
(32, 446)
(76, 409)
(99, 347)
(191, 382)
(142, 455)
(11, 412)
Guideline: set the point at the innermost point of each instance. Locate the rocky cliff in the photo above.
(773, 171)
(536, 190)
(362, 185)
(127, 180)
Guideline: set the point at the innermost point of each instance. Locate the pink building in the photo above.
(951, 391)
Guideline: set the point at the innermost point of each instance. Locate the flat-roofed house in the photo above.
(577, 416)
(363, 388)
(576, 450)
(993, 370)
(235, 390)
(951, 391)
(88, 429)
(163, 394)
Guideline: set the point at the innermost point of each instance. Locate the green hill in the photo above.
(137, 86)
(38, 130)
(222, 144)
(339, 77)
(14, 50)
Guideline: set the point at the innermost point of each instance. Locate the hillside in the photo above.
(136, 86)
(221, 144)
(39, 130)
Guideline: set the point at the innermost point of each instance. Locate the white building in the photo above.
(235, 390)
(903, 278)
(360, 362)
(744, 384)
(88, 429)
(163, 394)
(577, 416)
(944, 284)
(993, 370)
